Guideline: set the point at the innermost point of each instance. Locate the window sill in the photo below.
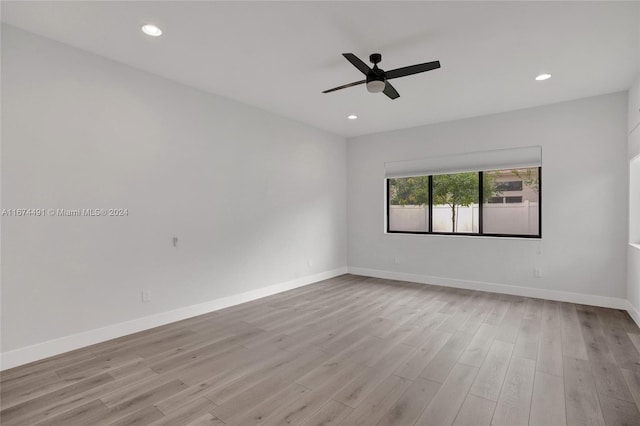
(484, 237)
(636, 245)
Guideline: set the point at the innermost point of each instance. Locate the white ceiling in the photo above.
(279, 56)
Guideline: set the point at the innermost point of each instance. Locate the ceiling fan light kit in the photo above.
(375, 86)
(377, 78)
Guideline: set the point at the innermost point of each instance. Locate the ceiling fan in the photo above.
(377, 78)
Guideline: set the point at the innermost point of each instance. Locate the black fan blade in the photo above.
(364, 68)
(413, 69)
(355, 83)
(390, 91)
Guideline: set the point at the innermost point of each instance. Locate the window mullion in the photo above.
(480, 201)
(430, 203)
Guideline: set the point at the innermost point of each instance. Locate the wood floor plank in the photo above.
(24, 412)
(618, 412)
(142, 398)
(240, 379)
(547, 403)
(479, 346)
(534, 309)
(632, 378)
(143, 416)
(94, 366)
(510, 325)
(475, 411)
(206, 420)
(573, 344)
(88, 414)
(624, 351)
(330, 414)
(594, 338)
(45, 366)
(186, 395)
(271, 385)
(439, 367)
(29, 388)
(515, 397)
(185, 413)
(179, 360)
(423, 356)
(376, 405)
(617, 318)
(526, 345)
(297, 412)
(407, 409)
(261, 412)
(635, 339)
(581, 398)
(365, 350)
(46, 407)
(444, 407)
(479, 313)
(354, 392)
(549, 359)
(498, 310)
(609, 381)
(318, 376)
(226, 364)
(488, 382)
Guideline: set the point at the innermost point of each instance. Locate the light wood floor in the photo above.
(349, 351)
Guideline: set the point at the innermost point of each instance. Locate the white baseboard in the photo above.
(49, 348)
(633, 313)
(560, 296)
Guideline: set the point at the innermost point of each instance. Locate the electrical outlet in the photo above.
(309, 263)
(397, 259)
(146, 296)
(537, 272)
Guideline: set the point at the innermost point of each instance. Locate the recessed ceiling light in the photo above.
(543, 77)
(352, 117)
(151, 30)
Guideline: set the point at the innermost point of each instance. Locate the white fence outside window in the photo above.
(516, 218)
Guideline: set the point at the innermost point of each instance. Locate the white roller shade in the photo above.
(512, 158)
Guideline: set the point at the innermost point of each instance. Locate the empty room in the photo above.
(320, 213)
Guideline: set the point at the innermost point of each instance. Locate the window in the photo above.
(504, 202)
(408, 198)
(519, 214)
(454, 198)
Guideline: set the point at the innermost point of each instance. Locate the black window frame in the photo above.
(480, 232)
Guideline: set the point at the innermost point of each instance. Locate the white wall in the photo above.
(633, 273)
(252, 197)
(584, 155)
